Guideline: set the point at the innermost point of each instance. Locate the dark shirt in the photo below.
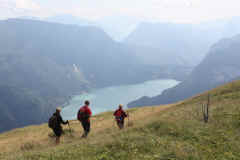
(59, 120)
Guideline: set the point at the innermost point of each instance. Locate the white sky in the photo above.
(182, 11)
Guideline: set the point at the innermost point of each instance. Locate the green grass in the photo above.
(175, 132)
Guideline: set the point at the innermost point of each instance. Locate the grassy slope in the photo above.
(163, 133)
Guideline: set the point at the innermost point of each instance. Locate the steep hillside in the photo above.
(88, 48)
(18, 108)
(174, 131)
(219, 66)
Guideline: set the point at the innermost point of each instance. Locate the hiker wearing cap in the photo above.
(83, 116)
(120, 115)
(55, 123)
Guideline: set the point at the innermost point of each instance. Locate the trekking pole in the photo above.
(70, 129)
(113, 123)
(128, 118)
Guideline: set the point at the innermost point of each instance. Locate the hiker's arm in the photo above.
(62, 121)
(89, 112)
(125, 114)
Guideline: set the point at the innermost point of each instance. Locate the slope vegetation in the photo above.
(167, 132)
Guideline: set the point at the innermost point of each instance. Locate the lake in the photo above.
(108, 99)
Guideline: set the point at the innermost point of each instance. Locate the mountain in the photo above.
(164, 38)
(69, 19)
(48, 62)
(42, 63)
(161, 43)
(156, 56)
(30, 18)
(19, 108)
(87, 51)
(175, 131)
(221, 65)
(117, 27)
(180, 42)
(184, 43)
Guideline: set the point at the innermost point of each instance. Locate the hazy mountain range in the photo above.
(117, 27)
(221, 65)
(183, 43)
(69, 19)
(42, 63)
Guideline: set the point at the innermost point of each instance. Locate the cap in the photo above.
(58, 109)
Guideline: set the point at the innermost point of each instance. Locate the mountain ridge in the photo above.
(219, 66)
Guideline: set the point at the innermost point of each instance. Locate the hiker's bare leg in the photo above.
(57, 140)
(86, 128)
(119, 125)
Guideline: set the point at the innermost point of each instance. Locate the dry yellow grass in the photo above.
(14, 140)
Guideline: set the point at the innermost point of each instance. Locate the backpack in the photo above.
(52, 122)
(82, 115)
(120, 114)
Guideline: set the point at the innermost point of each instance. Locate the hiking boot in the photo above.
(84, 135)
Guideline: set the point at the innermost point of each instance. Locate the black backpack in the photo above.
(52, 122)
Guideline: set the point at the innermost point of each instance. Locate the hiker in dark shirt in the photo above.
(56, 124)
(120, 115)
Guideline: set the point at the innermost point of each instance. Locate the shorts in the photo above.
(57, 132)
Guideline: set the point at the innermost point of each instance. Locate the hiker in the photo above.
(55, 123)
(83, 116)
(120, 115)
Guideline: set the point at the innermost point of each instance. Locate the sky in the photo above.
(179, 11)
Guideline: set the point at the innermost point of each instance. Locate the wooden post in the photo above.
(205, 110)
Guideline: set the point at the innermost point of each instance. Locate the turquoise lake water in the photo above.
(108, 99)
